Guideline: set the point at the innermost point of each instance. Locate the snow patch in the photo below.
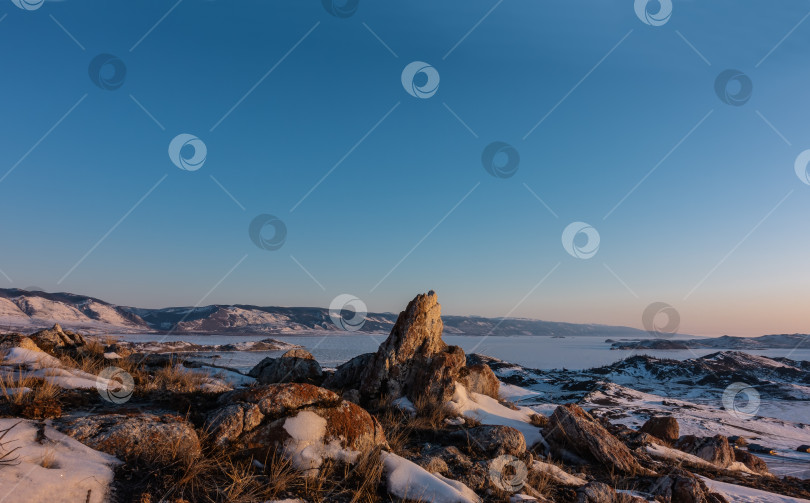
(58, 470)
(408, 480)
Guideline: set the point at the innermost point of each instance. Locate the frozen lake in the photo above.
(540, 352)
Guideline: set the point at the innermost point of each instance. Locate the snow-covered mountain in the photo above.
(28, 310)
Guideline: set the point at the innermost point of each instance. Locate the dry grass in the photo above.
(48, 460)
(430, 413)
(175, 378)
(6, 455)
(42, 391)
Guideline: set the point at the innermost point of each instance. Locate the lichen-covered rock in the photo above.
(309, 436)
(288, 368)
(494, 440)
(665, 428)
(56, 338)
(681, 486)
(414, 359)
(481, 379)
(596, 492)
(298, 353)
(149, 437)
(304, 422)
(8, 341)
(714, 449)
(278, 399)
(571, 428)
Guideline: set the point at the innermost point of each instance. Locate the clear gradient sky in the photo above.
(716, 226)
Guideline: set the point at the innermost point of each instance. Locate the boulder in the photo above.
(596, 492)
(413, 359)
(288, 368)
(754, 463)
(149, 437)
(307, 424)
(714, 449)
(493, 440)
(481, 379)
(571, 428)
(681, 486)
(298, 353)
(348, 375)
(309, 436)
(56, 338)
(8, 341)
(663, 427)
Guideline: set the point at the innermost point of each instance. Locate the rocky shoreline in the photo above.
(416, 420)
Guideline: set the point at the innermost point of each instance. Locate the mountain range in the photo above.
(26, 310)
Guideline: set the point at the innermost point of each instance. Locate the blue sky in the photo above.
(593, 99)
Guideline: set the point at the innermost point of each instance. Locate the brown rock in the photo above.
(596, 492)
(681, 486)
(343, 432)
(481, 379)
(276, 400)
(571, 428)
(494, 440)
(714, 449)
(755, 463)
(288, 368)
(664, 427)
(149, 437)
(56, 338)
(8, 341)
(298, 353)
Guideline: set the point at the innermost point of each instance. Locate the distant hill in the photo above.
(29, 310)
